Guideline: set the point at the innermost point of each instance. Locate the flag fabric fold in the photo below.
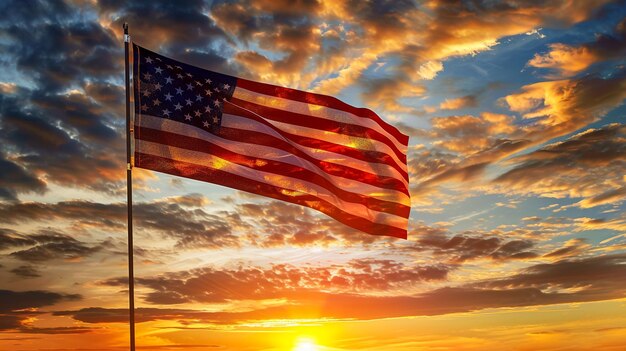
(300, 147)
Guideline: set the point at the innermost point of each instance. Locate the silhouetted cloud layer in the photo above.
(16, 307)
(564, 281)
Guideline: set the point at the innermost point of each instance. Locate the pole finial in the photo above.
(126, 36)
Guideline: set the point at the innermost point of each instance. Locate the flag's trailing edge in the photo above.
(304, 148)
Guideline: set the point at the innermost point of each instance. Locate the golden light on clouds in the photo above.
(566, 59)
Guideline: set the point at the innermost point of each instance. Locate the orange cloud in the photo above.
(563, 106)
(468, 134)
(570, 60)
(459, 103)
(590, 166)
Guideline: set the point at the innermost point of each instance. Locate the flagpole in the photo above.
(129, 193)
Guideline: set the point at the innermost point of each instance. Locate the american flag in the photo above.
(304, 148)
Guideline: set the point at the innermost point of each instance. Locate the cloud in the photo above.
(457, 248)
(459, 103)
(569, 60)
(564, 106)
(162, 25)
(11, 239)
(189, 200)
(190, 227)
(282, 281)
(54, 48)
(565, 281)
(592, 278)
(461, 248)
(55, 138)
(450, 32)
(17, 307)
(571, 248)
(609, 197)
(584, 223)
(278, 224)
(15, 179)
(385, 92)
(331, 44)
(185, 220)
(26, 272)
(590, 163)
(469, 134)
(555, 109)
(283, 29)
(50, 245)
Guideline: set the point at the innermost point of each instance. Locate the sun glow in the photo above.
(305, 344)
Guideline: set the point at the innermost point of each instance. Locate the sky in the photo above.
(517, 233)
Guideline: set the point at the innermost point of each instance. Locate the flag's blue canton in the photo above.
(170, 89)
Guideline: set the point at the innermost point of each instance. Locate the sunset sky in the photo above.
(517, 165)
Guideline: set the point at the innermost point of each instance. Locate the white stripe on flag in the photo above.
(239, 122)
(292, 184)
(270, 153)
(324, 112)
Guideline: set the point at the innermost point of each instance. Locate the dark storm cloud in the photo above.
(78, 113)
(105, 94)
(50, 133)
(15, 179)
(59, 138)
(53, 46)
(164, 25)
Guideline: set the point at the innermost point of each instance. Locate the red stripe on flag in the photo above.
(322, 100)
(335, 169)
(271, 166)
(212, 175)
(308, 121)
(364, 155)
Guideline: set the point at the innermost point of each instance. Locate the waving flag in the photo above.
(304, 148)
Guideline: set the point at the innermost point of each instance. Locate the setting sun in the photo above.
(305, 344)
